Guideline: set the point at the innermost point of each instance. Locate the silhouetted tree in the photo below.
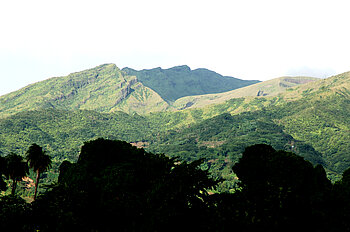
(281, 189)
(38, 161)
(341, 205)
(2, 171)
(16, 169)
(15, 214)
(115, 186)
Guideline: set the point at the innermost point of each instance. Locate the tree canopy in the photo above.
(281, 190)
(38, 161)
(127, 188)
(116, 186)
(16, 169)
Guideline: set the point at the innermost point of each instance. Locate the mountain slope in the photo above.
(62, 132)
(319, 113)
(266, 88)
(310, 120)
(107, 89)
(174, 83)
(104, 89)
(315, 114)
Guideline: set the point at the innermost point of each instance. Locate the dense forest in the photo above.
(306, 116)
(269, 156)
(114, 186)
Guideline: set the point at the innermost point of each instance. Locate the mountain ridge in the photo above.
(103, 88)
(311, 119)
(180, 81)
(107, 89)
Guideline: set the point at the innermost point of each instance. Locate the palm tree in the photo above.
(16, 169)
(38, 161)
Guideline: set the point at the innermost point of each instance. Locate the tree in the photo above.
(38, 161)
(15, 214)
(2, 171)
(281, 190)
(115, 185)
(341, 203)
(16, 169)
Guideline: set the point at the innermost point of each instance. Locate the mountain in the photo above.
(319, 114)
(104, 89)
(304, 115)
(316, 113)
(180, 81)
(267, 88)
(108, 89)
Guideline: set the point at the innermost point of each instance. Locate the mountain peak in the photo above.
(180, 68)
(103, 88)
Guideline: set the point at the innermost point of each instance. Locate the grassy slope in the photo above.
(267, 88)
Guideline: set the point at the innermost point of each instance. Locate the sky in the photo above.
(250, 39)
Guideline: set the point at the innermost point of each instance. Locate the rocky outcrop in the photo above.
(261, 93)
(125, 89)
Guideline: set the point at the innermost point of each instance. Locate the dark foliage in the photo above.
(3, 186)
(117, 187)
(16, 169)
(281, 190)
(15, 214)
(38, 161)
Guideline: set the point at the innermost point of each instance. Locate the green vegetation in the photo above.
(15, 169)
(315, 126)
(107, 89)
(199, 167)
(116, 186)
(302, 115)
(52, 128)
(177, 82)
(39, 162)
(103, 89)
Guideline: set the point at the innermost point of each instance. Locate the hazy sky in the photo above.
(247, 39)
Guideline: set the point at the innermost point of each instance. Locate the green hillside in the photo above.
(311, 120)
(103, 89)
(107, 89)
(314, 115)
(319, 113)
(243, 140)
(177, 82)
(60, 131)
(306, 116)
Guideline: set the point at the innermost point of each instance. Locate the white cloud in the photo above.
(320, 72)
